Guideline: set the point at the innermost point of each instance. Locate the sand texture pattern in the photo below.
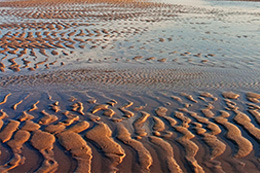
(166, 135)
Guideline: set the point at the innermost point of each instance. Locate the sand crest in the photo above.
(234, 134)
(8, 130)
(79, 149)
(101, 136)
(43, 142)
(144, 157)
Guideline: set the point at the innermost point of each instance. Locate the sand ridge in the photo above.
(171, 163)
(101, 135)
(217, 147)
(144, 156)
(43, 142)
(190, 147)
(234, 134)
(52, 35)
(157, 128)
(78, 148)
(20, 137)
(46, 36)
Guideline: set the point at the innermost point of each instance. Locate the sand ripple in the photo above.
(175, 134)
(140, 77)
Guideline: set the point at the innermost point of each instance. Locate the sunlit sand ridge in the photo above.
(146, 134)
(128, 86)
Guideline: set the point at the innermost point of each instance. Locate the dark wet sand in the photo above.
(157, 132)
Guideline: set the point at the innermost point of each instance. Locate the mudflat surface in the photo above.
(139, 86)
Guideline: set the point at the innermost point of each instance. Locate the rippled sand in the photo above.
(129, 86)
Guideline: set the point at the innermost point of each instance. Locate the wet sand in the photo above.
(158, 132)
(137, 86)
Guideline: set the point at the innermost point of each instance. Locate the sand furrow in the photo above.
(34, 106)
(2, 116)
(25, 116)
(168, 150)
(230, 95)
(55, 107)
(185, 120)
(80, 108)
(70, 118)
(207, 112)
(217, 147)
(78, 148)
(79, 127)
(5, 98)
(99, 108)
(234, 134)
(101, 135)
(93, 117)
(16, 104)
(158, 126)
(161, 111)
(47, 118)
(112, 102)
(190, 148)
(55, 128)
(30, 126)
(144, 157)
(253, 97)
(214, 128)
(189, 97)
(139, 123)
(171, 121)
(231, 105)
(61, 125)
(253, 106)
(1, 123)
(243, 119)
(208, 95)
(8, 130)
(43, 142)
(16, 144)
(126, 112)
(109, 113)
(256, 114)
(74, 106)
